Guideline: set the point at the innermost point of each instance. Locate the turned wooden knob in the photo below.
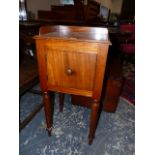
(69, 71)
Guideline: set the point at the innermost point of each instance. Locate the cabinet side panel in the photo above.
(41, 64)
(100, 70)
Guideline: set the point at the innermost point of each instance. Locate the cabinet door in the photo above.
(70, 69)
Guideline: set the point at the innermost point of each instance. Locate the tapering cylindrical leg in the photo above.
(61, 101)
(48, 112)
(93, 121)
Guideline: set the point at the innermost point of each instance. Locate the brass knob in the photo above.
(69, 71)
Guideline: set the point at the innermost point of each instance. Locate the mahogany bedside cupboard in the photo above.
(72, 60)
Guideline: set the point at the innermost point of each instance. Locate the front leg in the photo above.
(48, 112)
(93, 121)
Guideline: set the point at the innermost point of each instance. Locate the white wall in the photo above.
(35, 5)
(55, 2)
(114, 5)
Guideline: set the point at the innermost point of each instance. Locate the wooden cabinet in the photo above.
(72, 60)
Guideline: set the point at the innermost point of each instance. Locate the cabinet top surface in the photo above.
(76, 33)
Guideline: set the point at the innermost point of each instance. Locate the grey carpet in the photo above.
(115, 134)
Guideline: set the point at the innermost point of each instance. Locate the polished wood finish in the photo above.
(72, 60)
(112, 90)
(114, 86)
(91, 11)
(93, 121)
(48, 113)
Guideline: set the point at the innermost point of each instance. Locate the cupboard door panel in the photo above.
(71, 69)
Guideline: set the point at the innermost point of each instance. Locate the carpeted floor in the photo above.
(114, 135)
(128, 91)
